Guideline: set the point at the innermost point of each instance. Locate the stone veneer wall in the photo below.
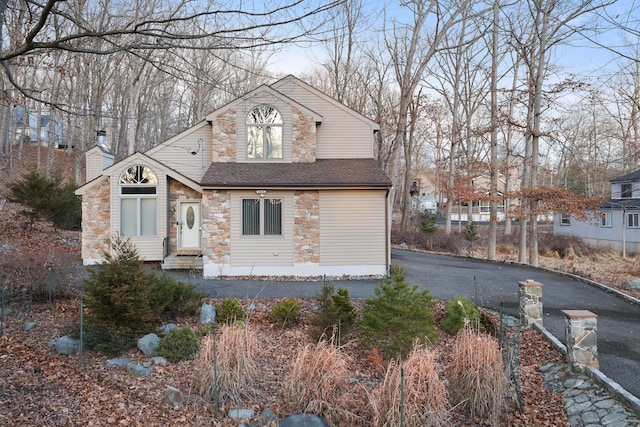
(304, 137)
(306, 227)
(216, 226)
(224, 130)
(177, 191)
(96, 221)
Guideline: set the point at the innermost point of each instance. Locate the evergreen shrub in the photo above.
(457, 311)
(335, 310)
(179, 344)
(285, 312)
(229, 311)
(397, 317)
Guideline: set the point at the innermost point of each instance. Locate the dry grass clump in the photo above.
(315, 382)
(227, 360)
(631, 267)
(411, 393)
(477, 375)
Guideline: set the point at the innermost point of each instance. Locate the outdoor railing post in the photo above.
(530, 293)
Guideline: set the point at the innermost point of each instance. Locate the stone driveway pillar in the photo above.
(530, 303)
(582, 343)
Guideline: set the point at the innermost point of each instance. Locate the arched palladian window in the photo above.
(138, 204)
(264, 133)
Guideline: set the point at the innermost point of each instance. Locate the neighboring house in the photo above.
(480, 209)
(617, 223)
(425, 193)
(34, 126)
(281, 182)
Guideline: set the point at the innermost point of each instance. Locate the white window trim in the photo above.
(637, 219)
(139, 197)
(261, 215)
(264, 126)
(565, 219)
(606, 218)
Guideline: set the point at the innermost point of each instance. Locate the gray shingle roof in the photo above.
(633, 176)
(321, 173)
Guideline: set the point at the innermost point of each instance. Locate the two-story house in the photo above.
(281, 182)
(616, 225)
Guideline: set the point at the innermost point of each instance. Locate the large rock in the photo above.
(65, 345)
(302, 420)
(149, 344)
(207, 314)
(173, 397)
(119, 362)
(138, 371)
(241, 414)
(631, 285)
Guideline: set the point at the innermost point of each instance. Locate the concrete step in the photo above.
(182, 262)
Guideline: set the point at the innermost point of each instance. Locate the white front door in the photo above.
(189, 225)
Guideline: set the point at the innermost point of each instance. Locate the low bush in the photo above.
(179, 344)
(564, 246)
(234, 375)
(38, 277)
(173, 298)
(477, 376)
(122, 297)
(229, 311)
(335, 315)
(318, 375)
(411, 391)
(397, 316)
(108, 341)
(285, 312)
(458, 312)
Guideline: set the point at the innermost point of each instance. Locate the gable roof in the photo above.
(271, 91)
(321, 173)
(633, 176)
(293, 79)
(141, 158)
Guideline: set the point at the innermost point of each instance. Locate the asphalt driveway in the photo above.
(492, 285)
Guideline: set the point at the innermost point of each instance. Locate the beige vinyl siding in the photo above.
(150, 248)
(352, 227)
(342, 134)
(261, 250)
(176, 152)
(248, 104)
(95, 162)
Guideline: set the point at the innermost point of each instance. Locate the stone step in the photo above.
(182, 262)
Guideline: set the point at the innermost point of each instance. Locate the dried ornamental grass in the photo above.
(477, 376)
(315, 382)
(418, 399)
(233, 365)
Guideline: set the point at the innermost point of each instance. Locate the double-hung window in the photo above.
(264, 133)
(605, 219)
(626, 190)
(261, 217)
(138, 202)
(565, 218)
(633, 220)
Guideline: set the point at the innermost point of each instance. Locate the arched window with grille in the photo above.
(264, 133)
(138, 201)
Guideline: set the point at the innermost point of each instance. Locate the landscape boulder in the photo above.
(65, 345)
(302, 420)
(631, 285)
(207, 313)
(138, 371)
(173, 397)
(149, 344)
